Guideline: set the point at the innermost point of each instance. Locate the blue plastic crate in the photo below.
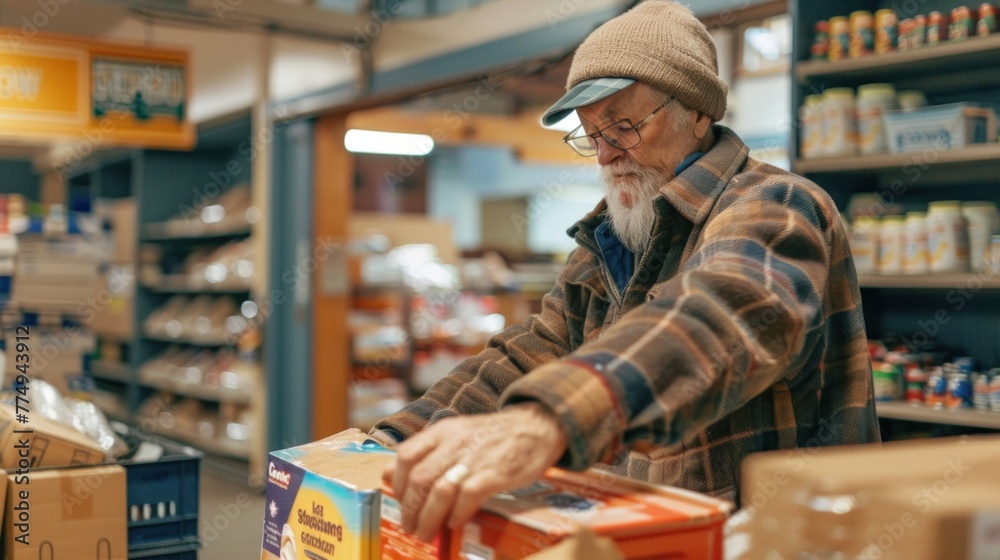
(169, 487)
(175, 552)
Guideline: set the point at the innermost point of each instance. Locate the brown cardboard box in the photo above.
(114, 302)
(67, 513)
(48, 444)
(844, 499)
(124, 218)
(404, 229)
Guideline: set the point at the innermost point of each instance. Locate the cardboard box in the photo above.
(402, 229)
(399, 546)
(46, 443)
(124, 218)
(858, 499)
(323, 499)
(114, 303)
(645, 521)
(66, 513)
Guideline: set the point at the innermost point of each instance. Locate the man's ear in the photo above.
(702, 124)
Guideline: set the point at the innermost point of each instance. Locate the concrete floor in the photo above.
(230, 518)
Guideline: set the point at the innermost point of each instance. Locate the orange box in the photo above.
(397, 546)
(643, 520)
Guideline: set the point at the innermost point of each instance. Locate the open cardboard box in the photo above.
(75, 513)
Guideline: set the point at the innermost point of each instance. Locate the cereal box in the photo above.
(399, 546)
(323, 500)
(644, 521)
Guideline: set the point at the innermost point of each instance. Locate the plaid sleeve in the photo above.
(746, 309)
(475, 386)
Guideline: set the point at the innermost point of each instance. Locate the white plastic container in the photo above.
(890, 246)
(839, 125)
(811, 122)
(915, 255)
(864, 244)
(981, 219)
(874, 100)
(942, 127)
(947, 239)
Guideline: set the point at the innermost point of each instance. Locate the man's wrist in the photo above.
(538, 412)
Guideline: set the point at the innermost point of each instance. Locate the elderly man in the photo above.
(711, 311)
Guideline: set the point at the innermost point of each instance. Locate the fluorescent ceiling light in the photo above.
(392, 143)
(568, 124)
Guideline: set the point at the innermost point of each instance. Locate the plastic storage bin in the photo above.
(942, 127)
(152, 486)
(177, 552)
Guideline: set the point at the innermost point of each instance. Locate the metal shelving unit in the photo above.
(980, 281)
(897, 410)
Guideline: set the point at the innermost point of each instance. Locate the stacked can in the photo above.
(994, 394)
(962, 25)
(981, 392)
(987, 22)
(937, 28)
(915, 382)
(886, 31)
(937, 388)
(862, 34)
(840, 38)
(821, 43)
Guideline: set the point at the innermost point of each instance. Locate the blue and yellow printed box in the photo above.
(324, 499)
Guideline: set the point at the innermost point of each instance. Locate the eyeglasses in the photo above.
(622, 135)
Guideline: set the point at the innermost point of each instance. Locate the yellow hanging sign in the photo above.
(114, 94)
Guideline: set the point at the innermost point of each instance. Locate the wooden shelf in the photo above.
(111, 371)
(976, 281)
(899, 410)
(214, 446)
(170, 285)
(154, 232)
(927, 66)
(201, 391)
(185, 340)
(976, 154)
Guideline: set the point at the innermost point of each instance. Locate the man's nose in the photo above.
(606, 153)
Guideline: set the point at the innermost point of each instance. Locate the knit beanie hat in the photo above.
(658, 42)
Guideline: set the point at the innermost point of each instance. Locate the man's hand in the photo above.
(502, 451)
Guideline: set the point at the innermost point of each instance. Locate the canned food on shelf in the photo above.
(986, 23)
(840, 38)
(821, 42)
(962, 25)
(981, 392)
(915, 382)
(886, 31)
(937, 28)
(862, 34)
(904, 41)
(994, 394)
(920, 30)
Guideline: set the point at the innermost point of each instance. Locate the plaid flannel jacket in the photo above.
(741, 331)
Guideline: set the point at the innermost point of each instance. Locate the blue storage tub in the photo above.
(164, 494)
(175, 552)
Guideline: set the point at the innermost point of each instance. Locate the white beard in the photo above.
(632, 224)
